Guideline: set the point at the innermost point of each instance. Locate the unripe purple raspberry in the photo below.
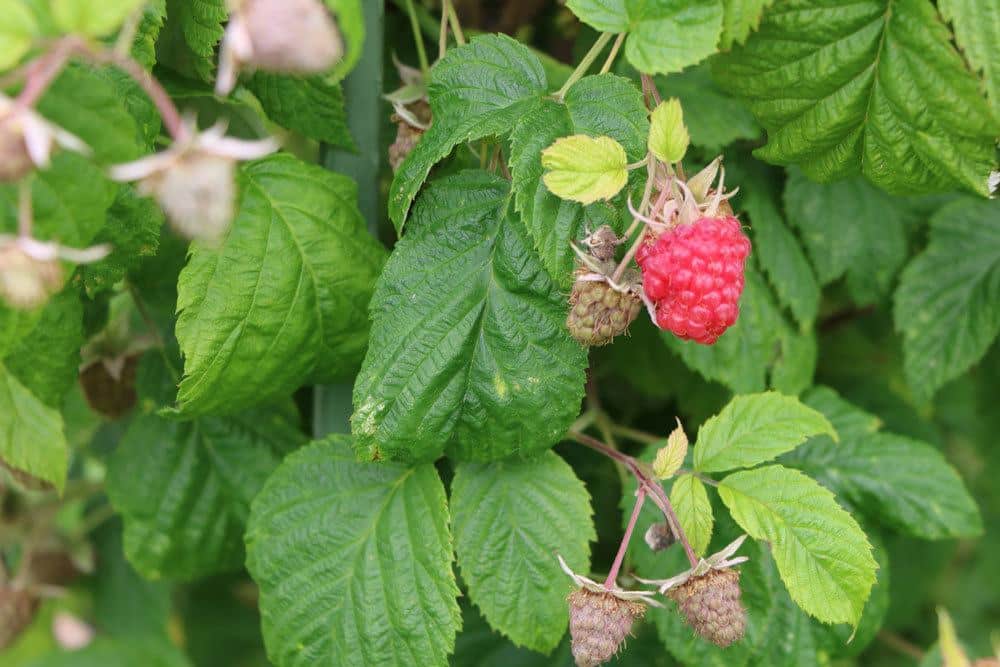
(711, 606)
(599, 624)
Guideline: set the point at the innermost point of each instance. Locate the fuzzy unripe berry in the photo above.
(294, 36)
(659, 536)
(17, 610)
(598, 313)
(599, 624)
(711, 605)
(603, 242)
(197, 193)
(694, 274)
(26, 282)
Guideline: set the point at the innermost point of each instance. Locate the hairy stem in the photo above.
(585, 64)
(456, 27)
(43, 71)
(640, 498)
(649, 88)
(614, 53)
(418, 38)
(654, 489)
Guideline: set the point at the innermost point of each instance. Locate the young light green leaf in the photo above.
(849, 228)
(977, 31)
(184, 488)
(144, 45)
(253, 331)
(94, 19)
(339, 549)
(756, 428)
(947, 306)
(312, 106)
(694, 511)
(714, 119)
(511, 513)
(584, 169)
(668, 136)
(468, 339)
(739, 19)
(31, 433)
(823, 556)
(898, 480)
(670, 457)
(838, 116)
(602, 105)
(694, 26)
(476, 90)
(16, 33)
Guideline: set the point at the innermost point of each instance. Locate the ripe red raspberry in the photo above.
(694, 274)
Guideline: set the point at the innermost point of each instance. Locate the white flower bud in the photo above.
(197, 194)
(26, 282)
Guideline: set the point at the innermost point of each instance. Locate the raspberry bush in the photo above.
(537, 332)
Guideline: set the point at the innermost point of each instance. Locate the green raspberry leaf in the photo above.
(184, 488)
(584, 169)
(16, 33)
(852, 229)
(119, 651)
(312, 106)
(694, 28)
(777, 249)
(340, 549)
(475, 91)
(94, 19)
(947, 306)
(144, 44)
(510, 513)
(602, 105)
(873, 87)
(469, 352)
(668, 136)
(31, 433)
(756, 428)
(133, 233)
(694, 511)
(47, 358)
(188, 39)
(822, 554)
(898, 480)
(255, 330)
(713, 118)
(739, 19)
(977, 31)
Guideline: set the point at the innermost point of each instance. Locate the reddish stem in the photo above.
(640, 498)
(649, 88)
(652, 487)
(40, 73)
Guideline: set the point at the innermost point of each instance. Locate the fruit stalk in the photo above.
(640, 498)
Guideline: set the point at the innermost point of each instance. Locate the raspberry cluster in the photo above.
(599, 624)
(694, 274)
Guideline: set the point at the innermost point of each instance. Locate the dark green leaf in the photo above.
(476, 90)
(713, 118)
(874, 87)
(353, 561)
(948, 301)
(184, 488)
(133, 233)
(255, 329)
(312, 106)
(189, 37)
(469, 353)
(510, 514)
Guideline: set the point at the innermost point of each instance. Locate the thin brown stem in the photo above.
(894, 641)
(25, 216)
(640, 498)
(43, 71)
(456, 27)
(656, 492)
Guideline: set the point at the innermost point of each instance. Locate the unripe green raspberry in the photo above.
(26, 282)
(711, 606)
(599, 624)
(598, 313)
